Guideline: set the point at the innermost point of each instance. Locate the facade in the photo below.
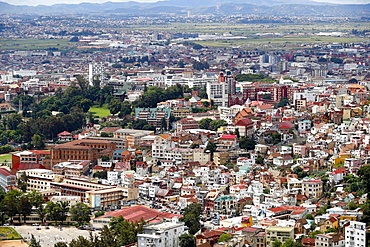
(96, 69)
(312, 188)
(329, 240)
(85, 149)
(278, 233)
(132, 137)
(155, 117)
(38, 179)
(7, 179)
(164, 234)
(110, 197)
(355, 234)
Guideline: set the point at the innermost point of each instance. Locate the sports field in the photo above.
(101, 112)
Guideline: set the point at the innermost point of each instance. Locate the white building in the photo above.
(38, 179)
(355, 234)
(165, 234)
(95, 69)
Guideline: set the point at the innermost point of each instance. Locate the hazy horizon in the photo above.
(52, 2)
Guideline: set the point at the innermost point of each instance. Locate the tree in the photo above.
(11, 201)
(125, 232)
(211, 147)
(187, 240)
(54, 211)
(309, 217)
(204, 123)
(224, 237)
(80, 213)
(191, 217)
(34, 242)
(22, 182)
(24, 206)
(80, 242)
(288, 243)
(283, 102)
(38, 142)
(364, 174)
(276, 243)
(215, 124)
(246, 143)
(36, 198)
(64, 206)
(115, 106)
(60, 244)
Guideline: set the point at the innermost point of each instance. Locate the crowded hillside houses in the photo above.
(267, 161)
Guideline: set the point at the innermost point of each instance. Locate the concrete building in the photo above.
(355, 234)
(278, 233)
(312, 188)
(165, 234)
(7, 179)
(96, 70)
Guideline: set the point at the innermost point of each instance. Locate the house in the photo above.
(65, 136)
(245, 127)
(227, 142)
(7, 179)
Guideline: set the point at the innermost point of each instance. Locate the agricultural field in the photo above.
(35, 44)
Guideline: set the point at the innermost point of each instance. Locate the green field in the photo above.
(35, 44)
(7, 233)
(100, 112)
(5, 157)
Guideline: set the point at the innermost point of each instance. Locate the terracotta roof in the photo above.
(225, 136)
(64, 133)
(244, 122)
(138, 212)
(286, 125)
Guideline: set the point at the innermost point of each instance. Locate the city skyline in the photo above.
(52, 2)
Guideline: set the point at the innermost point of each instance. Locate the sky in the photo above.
(51, 2)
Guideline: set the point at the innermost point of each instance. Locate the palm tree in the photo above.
(64, 205)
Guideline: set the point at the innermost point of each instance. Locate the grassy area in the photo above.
(34, 44)
(100, 111)
(5, 157)
(7, 233)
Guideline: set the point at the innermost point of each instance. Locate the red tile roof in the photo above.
(225, 136)
(138, 212)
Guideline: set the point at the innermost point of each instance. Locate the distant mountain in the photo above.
(221, 7)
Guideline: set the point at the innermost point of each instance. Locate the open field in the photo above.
(100, 111)
(8, 233)
(5, 157)
(34, 44)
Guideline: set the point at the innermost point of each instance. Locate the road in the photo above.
(48, 237)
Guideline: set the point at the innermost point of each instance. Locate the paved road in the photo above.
(48, 237)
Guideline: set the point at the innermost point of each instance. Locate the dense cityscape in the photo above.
(184, 130)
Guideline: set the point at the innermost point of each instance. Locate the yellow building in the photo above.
(279, 233)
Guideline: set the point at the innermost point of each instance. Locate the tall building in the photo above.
(96, 69)
(164, 234)
(223, 92)
(355, 234)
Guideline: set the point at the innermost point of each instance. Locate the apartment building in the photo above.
(38, 179)
(132, 137)
(279, 233)
(110, 197)
(329, 240)
(154, 116)
(160, 144)
(355, 234)
(7, 179)
(165, 234)
(312, 188)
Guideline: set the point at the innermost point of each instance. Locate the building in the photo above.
(7, 179)
(186, 123)
(85, 149)
(165, 234)
(312, 188)
(96, 70)
(110, 197)
(32, 159)
(355, 234)
(38, 179)
(330, 240)
(156, 117)
(279, 233)
(132, 137)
